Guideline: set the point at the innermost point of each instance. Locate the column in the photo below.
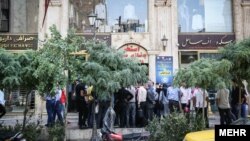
(18, 16)
(246, 19)
(152, 65)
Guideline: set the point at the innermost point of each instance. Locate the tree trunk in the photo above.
(203, 108)
(26, 109)
(239, 113)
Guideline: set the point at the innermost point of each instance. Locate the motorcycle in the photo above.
(108, 135)
(13, 137)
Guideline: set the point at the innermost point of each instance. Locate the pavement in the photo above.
(73, 133)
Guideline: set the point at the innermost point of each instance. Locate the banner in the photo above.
(164, 69)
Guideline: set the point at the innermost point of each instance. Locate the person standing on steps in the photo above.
(2, 104)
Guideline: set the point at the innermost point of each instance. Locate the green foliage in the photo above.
(56, 132)
(107, 70)
(10, 67)
(30, 133)
(239, 54)
(27, 69)
(54, 58)
(206, 73)
(173, 127)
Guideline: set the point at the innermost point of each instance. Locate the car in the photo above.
(209, 134)
(205, 135)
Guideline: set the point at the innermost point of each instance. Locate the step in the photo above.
(85, 134)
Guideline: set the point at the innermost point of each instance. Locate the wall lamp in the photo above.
(164, 41)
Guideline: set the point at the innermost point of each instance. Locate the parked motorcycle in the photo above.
(13, 137)
(108, 135)
(107, 132)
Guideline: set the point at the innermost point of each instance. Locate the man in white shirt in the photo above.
(2, 103)
(185, 96)
(141, 98)
(222, 101)
(200, 98)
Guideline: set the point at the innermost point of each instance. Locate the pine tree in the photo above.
(54, 59)
(205, 73)
(239, 54)
(107, 70)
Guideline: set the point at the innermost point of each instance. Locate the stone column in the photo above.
(18, 16)
(246, 19)
(165, 23)
(152, 65)
(57, 14)
(64, 18)
(237, 14)
(40, 107)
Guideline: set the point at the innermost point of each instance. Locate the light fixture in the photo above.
(92, 17)
(164, 41)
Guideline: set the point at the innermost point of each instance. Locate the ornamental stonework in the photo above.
(162, 3)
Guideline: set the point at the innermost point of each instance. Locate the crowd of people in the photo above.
(232, 104)
(55, 106)
(136, 105)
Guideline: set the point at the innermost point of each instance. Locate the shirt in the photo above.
(198, 94)
(185, 95)
(223, 96)
(173, 93)
(58, 94)
(142, 94)
(132, 90)
(2, 101)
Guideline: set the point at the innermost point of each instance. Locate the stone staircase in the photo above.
(73, 133)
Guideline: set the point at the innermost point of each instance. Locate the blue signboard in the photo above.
(164, 69)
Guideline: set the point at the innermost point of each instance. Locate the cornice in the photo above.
(162, 3)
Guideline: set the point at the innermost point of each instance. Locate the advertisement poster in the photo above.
(164, 69)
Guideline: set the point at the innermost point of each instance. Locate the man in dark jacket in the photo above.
(150, 100)
(121, 104)
(81, 104)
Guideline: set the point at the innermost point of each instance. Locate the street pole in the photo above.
(94, 129)
(92, 20)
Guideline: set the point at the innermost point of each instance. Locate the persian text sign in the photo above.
(204, 41)
(19, 41)
(135, 51)
(164, 69)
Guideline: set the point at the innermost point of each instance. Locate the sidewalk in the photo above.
(73, 133)
(214, 119)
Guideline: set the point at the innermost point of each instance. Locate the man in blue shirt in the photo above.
(173, 97)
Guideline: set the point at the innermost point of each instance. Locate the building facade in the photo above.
(194, 29)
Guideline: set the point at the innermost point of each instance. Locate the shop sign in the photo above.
(98, 37)
(135, 51)
(164, 69)
(204, 41)
(18, 41)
